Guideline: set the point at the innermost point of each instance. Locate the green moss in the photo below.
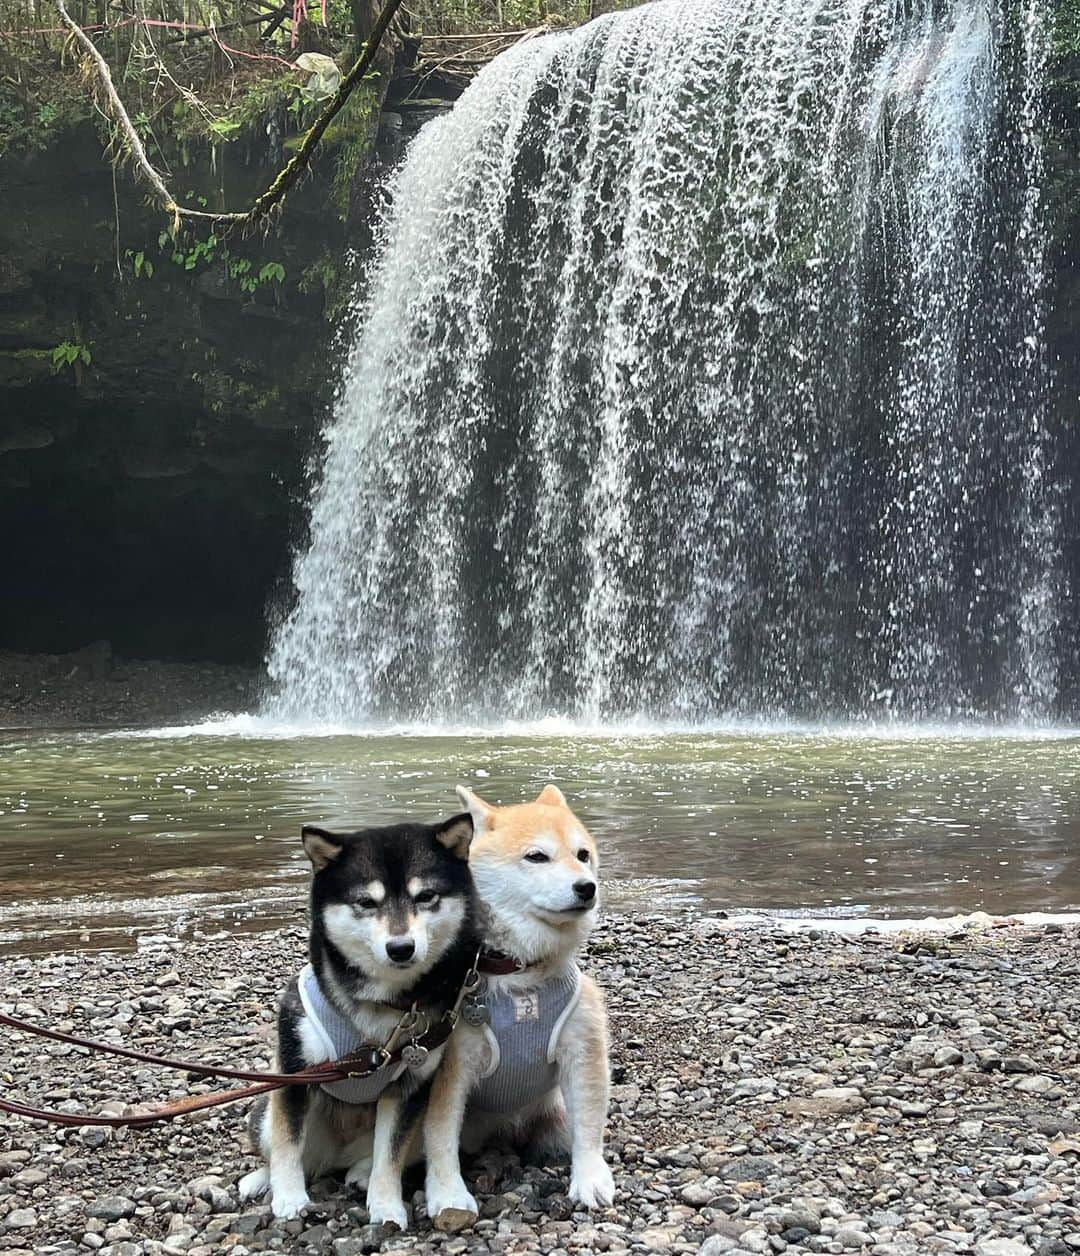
(331, 275)
(356, 126)
(61, 355)
(27, 355)
(227, 393)
(321, 276)
(31, 121)
(248, 109)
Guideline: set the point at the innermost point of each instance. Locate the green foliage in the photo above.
(1061, 188)
(30, 118)
(355, 133)
(246, 111)
(201, 251)
(226, 391)
(224, 128)
(239, 268)
(68, 354)
(48, 115)
(140, 263)
(332, 275)
(186, 93)
(322, 274)
(452, 17)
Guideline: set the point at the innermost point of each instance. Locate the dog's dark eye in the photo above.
(364, 904)
(426, 896)
(583, 856)
(537, 856)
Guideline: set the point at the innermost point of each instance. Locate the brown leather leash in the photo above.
(140, 1120)
(362, 1064)
(161, 1061)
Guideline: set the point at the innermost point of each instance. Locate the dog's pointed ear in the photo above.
(456, 834)
(551, 796)
(321, 846)
(483, 814)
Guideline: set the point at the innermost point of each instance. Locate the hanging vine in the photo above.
(262, 209)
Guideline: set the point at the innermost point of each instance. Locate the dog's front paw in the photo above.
(286, 1203)
(360, 1173)
(452, 1208)
(255, 1184)
(388, 1212)
(591, 1183)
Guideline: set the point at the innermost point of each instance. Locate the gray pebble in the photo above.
(111, 1208)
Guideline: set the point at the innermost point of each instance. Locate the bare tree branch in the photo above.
(131, 138)
(264, 205)
(200, 32)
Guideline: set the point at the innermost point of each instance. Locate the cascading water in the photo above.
(702, 373)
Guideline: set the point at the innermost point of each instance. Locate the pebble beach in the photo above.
(774, 1091)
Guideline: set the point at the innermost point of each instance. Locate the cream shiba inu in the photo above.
(531, 1056)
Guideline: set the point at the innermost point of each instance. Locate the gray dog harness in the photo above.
(340, 1038)
(523, 1029)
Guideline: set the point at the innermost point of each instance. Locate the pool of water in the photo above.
(106, 834)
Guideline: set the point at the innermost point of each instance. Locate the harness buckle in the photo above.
(379, 1058)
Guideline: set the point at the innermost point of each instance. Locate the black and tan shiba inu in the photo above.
(392, 937)
(532, 1059)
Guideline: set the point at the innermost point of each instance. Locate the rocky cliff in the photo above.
(159, 402)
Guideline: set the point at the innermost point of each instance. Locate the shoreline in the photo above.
(93, 690)
(95, 924)
(811, 1091)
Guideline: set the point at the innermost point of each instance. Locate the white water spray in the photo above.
(702, 373)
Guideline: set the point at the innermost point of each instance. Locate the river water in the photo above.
(104, 835)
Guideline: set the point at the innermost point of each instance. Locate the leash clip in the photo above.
(379, 1058)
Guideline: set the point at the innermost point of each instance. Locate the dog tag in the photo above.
(475, 1013)
(414, 1056)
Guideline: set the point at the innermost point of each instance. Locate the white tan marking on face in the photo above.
(527, 865)
(375, 890)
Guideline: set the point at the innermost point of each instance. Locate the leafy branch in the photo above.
(69, 354)
(263, 206)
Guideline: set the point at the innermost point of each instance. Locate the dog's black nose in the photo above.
(585, 890)
(400, 949)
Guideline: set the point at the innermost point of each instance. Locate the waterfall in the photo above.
(702, 373)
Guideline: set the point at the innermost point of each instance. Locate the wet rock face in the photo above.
(148, 485)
